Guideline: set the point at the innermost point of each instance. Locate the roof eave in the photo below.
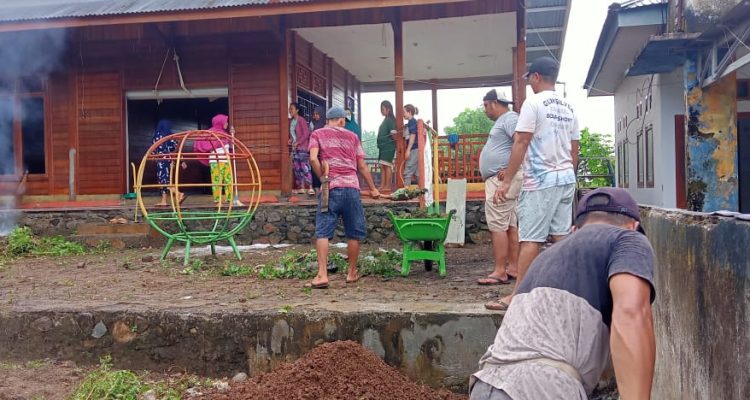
(618, 18)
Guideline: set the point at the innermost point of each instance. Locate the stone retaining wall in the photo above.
(271, 224)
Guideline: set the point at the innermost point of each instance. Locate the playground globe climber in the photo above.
(204, 224)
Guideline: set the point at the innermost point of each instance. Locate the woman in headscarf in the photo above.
(318, 121)
(386, 145)
(300, 139)
(218, 161)
(318, 118)
(163, 167)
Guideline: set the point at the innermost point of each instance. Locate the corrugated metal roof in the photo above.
(545, 23)
(49, 9)
(640, 3)
(545, 3)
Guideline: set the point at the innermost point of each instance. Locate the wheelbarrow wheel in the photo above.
(428, 245)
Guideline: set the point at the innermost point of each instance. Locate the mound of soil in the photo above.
(339, 370)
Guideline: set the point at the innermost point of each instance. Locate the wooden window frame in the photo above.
(626, 165)
(16, 95)
(640, 167)
(650, 173)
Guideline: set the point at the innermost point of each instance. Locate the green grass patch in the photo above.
(22, 242)
(296, 265)
(236, 270)
(104, 383)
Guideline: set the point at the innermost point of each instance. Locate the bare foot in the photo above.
(352, 278)
(318, 283)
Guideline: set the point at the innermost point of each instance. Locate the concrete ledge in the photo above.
(439, 348)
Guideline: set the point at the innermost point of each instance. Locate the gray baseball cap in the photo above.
(336, 112)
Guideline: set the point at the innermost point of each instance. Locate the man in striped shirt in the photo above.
(336, 156)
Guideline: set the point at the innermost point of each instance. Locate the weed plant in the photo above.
(22, 242)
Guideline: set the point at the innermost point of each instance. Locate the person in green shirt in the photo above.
(386, 146)
(351, 124)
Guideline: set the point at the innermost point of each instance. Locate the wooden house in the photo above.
(109, 69)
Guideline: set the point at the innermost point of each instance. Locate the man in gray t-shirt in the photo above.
(501, 215)
(583, 299)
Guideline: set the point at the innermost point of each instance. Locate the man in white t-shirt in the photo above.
(546, 143)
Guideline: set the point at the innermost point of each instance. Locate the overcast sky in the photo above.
(597, 113)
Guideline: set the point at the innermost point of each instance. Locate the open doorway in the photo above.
(743, 158)
(184, 114)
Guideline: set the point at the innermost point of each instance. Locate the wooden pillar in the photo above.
(359, 105)
(398, 59)
(329, 80)
(284, 86)
(519, 57)
(433, 87)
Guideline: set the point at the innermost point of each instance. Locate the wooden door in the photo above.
(101, 144)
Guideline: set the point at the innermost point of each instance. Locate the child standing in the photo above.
(218, 160)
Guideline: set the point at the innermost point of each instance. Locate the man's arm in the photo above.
(632, 336)
(521, 141)
(574, 148)
(315, 163)
(365, 171)
(412, 139)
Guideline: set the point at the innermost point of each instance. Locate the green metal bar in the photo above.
(170, 242)
(234, 247)
(187, 253)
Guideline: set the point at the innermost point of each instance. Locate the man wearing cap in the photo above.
(341, 157)
(500, 215)
(582, 299)
(546, 143)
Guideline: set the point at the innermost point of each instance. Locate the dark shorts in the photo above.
(343, 203)
(485, 391)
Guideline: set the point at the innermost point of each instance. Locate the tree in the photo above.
(597, 156)
(470, 121)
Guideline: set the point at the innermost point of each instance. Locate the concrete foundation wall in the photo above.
(440, 349)
(702, 308)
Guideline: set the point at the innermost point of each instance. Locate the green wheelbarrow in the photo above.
(423, 239)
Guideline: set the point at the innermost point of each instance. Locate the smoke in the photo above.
(27, 59)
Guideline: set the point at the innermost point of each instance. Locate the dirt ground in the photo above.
(137, 279)
(38, 379)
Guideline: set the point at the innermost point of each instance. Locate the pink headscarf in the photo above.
(208, 144)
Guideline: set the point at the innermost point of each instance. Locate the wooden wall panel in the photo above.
(255, 100)
(101, 147)
(59, 97)
(339, 85)
(318, 62)
(302, 51)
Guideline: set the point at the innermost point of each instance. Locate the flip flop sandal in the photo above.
(491, 280)
(311, 285)
(497, 305)
(353, 280)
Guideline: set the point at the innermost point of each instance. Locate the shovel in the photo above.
(324, 189)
